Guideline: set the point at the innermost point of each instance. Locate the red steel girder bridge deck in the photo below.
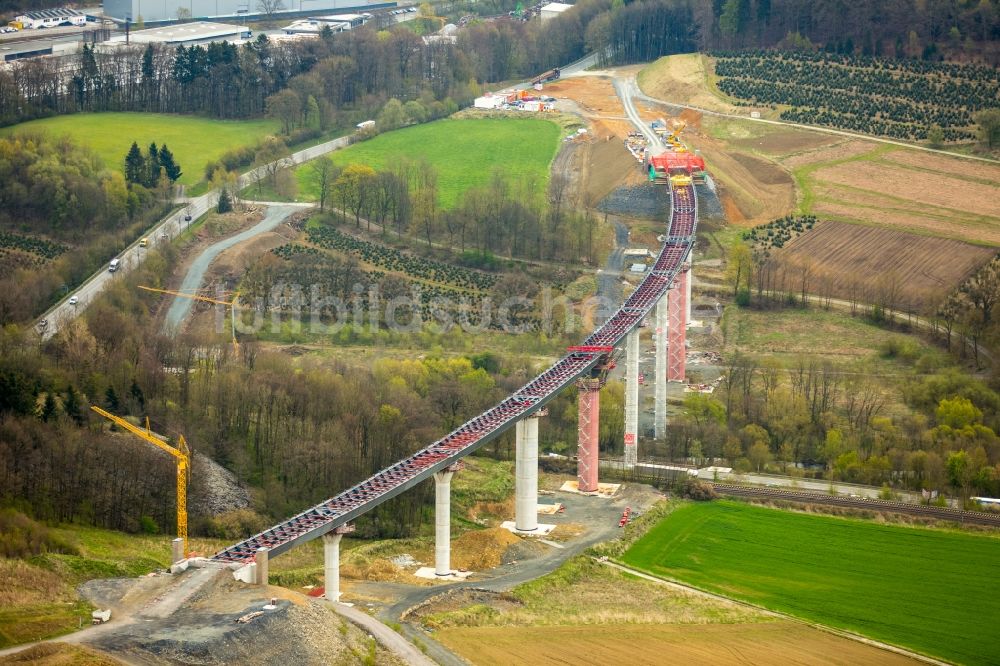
(580, 361)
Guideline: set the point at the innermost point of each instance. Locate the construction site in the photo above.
(315, 588)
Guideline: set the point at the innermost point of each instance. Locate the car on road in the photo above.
(73, 300)
(144, 242)
(187, 218)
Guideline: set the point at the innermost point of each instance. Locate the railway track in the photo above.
(939, 512)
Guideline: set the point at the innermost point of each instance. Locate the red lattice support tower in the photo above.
(589, 400)
(677, 307)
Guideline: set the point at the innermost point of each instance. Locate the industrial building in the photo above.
(50, 18)
(154, 11)
(335, 22)
(11, 51)
(184, 34)
(552, 10)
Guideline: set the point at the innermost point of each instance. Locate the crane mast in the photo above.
(181, 454)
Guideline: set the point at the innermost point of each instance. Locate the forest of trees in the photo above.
(53, 189)
(296, 430)
(361, 69)
(818, 412)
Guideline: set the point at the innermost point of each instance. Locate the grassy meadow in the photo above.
(194, 141)
(935, 591)
(464, 152)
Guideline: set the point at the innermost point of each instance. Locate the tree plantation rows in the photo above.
(318, 287)
(901, 99)
(391, 259)
(43, 248)
(17, 251)
(778, 232)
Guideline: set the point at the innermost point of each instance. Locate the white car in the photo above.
(73, 300)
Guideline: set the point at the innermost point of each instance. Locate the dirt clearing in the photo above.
(758, 643)
(931, 189)
(981, 171)
(59, 654)
(684, 79)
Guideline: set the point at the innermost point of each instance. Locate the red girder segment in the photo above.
(467, 438)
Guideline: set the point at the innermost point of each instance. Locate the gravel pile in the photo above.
(648, 201)
(709, 206)
(215, 489)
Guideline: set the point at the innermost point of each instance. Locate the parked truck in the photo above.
(550, 75)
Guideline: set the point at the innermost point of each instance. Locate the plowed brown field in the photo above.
(849, 257)
(635, 644)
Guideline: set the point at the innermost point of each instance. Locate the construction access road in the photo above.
(275, 214)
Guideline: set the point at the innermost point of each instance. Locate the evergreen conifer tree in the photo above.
(172, 169)
(135, 165)
(152, 166)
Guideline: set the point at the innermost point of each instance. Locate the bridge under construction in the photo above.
(665, 288)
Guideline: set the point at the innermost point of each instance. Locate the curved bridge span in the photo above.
(579, 362)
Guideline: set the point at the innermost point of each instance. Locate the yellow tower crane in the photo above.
(181, 453)
(206, 299)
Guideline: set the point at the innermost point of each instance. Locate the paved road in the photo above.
(164, 231)
(192, 282)
(609, 279)
(627, 89)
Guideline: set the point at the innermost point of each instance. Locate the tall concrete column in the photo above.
(526, 474)
(442, 520)
(632, 398)
(177, 550)
(660, 418)
(331, 561)
(676, 349)
(331, 565)
(262, 566)
(589, 400)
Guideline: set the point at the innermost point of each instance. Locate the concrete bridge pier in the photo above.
(261, 560)
(588, 429)
(526, 473)
(660, 381)
(331, 561)
(442, 520)
(631, 453)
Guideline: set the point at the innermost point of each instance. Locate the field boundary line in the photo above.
(843, 633)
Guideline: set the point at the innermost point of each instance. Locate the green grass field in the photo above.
(464, 152)
(194, 141)
(935, 591)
